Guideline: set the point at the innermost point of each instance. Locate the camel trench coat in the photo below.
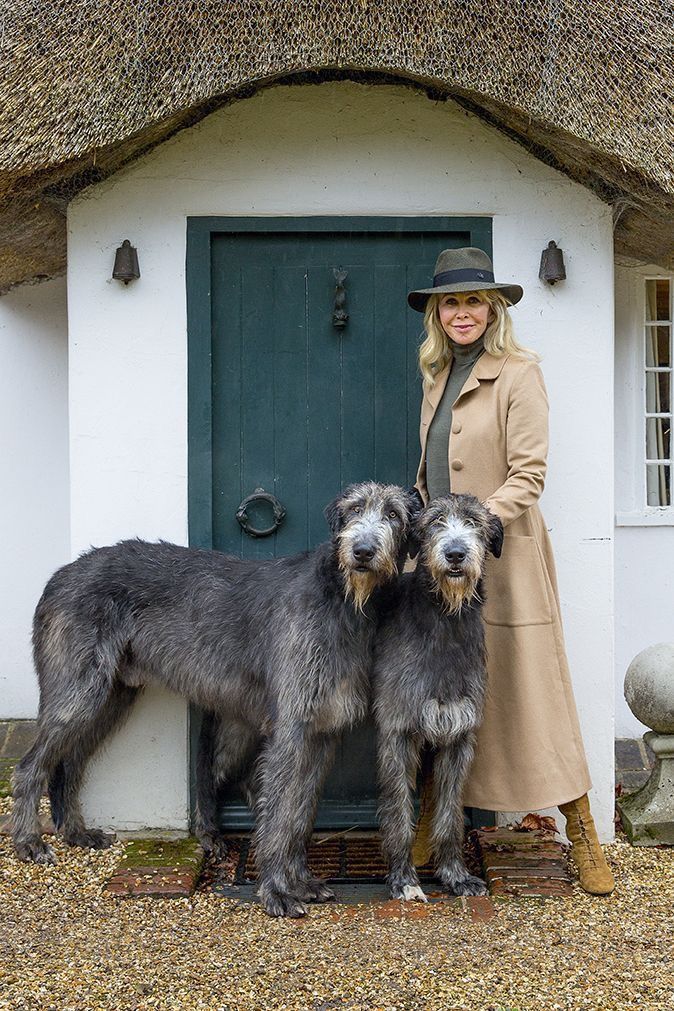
(529, 752)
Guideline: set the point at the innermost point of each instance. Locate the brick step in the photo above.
(523, 864)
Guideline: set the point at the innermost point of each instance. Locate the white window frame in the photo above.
(641, 514)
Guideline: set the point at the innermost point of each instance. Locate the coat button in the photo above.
(456, 427)
(457, 465)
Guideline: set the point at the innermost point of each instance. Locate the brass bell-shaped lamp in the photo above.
(126, 263)
(552, 267)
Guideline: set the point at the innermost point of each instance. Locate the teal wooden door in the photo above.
(281, 399)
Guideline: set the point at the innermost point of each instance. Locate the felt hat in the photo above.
(467, 269)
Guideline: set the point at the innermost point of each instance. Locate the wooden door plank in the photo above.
(258, 324)
(200, 432)
(290, 406)
(417, 277)
(323, 400)
(357, 388)
(390, 358)
(226, 394)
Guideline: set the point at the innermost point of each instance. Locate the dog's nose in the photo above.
(363, 552)
(455, 555)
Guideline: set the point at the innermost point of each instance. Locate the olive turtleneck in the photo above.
(437, 446)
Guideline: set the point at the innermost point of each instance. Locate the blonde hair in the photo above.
(499, 337)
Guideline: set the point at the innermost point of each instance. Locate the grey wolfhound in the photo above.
(429, 680)
(282, 649)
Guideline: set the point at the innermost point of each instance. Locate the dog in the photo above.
(282, 649)
(429, 678)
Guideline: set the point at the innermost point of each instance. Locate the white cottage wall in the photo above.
(34, 464)
(644, 553)
(338, 148)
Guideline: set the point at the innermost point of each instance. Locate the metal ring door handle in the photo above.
(260, 495)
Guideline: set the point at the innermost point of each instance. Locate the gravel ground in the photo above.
(66, 946)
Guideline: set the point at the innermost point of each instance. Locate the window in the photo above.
(658, 390)
(644, 374)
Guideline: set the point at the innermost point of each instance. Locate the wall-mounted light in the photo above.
(126, 263)
(552, 267)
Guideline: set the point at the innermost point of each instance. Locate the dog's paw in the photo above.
(408, 893)
(281, 904)
(213, 844)
(414, 893)
(35, 850)
(315, 890)
(470, 885)
(89, 839)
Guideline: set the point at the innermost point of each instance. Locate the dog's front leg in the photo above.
(398, 761)
(449, 773)
(293, 766)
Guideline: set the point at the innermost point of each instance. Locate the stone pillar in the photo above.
(648, 814)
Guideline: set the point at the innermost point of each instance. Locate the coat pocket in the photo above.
(516, 584)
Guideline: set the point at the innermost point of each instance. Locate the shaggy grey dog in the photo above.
(429, 680)
(282, 649)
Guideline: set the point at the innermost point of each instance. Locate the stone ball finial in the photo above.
(649, 687)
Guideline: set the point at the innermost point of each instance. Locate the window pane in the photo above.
(658, 484)
(657, 299)
(657, 346)
(658, 434)
(657, 392)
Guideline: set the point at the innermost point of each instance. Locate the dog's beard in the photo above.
(359, 586)
(455, 591)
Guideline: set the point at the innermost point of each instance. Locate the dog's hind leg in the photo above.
(398, 761)
(293, 767)
(61, 722)
(226, 749)
(27, 784)
(449, 773)
(64, 784)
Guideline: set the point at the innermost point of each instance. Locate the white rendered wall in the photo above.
(348, 149)
(644, 555)
(34, 465)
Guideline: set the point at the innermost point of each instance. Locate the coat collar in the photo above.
(487, 367)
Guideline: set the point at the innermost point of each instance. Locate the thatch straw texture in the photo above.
(86, 85)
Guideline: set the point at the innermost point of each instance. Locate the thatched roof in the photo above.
(87, 85)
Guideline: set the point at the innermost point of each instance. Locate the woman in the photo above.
(484, 431)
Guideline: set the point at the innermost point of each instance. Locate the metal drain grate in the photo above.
(340, 860)
(353, 864)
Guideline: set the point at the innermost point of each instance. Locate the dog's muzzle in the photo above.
(455, 556)
(364, 552)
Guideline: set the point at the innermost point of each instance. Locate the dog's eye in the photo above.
(358, 510)
(393, 515)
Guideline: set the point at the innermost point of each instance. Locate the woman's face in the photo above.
(464, 316)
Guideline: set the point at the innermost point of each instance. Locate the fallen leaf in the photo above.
(536, 823)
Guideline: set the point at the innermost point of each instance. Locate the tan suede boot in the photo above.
(593, 871)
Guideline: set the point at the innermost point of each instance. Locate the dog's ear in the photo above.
(333, 515)
(415, 505)
(413, 542)
(495, 534)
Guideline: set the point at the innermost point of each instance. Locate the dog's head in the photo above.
(454, 535)
(371, 525)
